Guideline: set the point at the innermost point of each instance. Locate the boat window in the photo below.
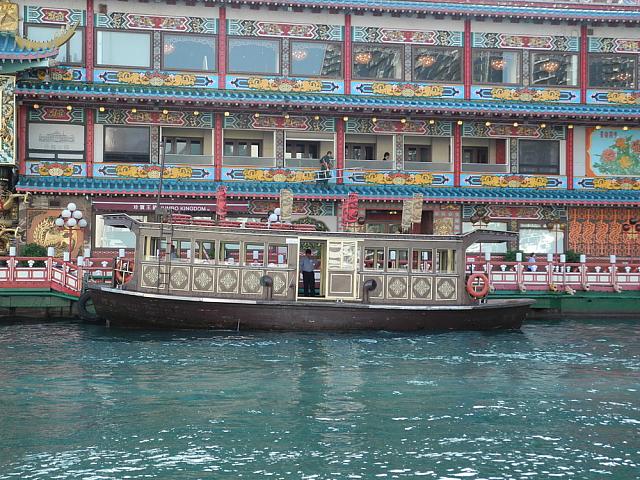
(153, 248)
(398, 259)
(205, 251)
(230, 253)
(422, 260)
(446, 261)
(374, 258)
(181, 249)
(254, 254)
(278, 255)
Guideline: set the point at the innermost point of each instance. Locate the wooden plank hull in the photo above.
(139, 310)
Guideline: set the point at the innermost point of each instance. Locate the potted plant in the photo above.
(33, 250)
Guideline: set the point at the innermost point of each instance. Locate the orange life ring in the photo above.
(120, 274)
(471, 290)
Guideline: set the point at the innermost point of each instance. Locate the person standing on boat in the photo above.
(307, 267)
(325, 169)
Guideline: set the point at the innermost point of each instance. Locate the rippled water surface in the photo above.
(558, 400)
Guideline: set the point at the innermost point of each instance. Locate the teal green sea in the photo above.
(558, 400)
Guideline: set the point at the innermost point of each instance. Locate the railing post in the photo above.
(583, 271)
(563, 261)
(549, 269)
(50, 253)
(487, 268)
(613, 272)
(12, 264)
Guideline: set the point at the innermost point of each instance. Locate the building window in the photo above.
(475, 155)
(496, 66)
(248, 55)
(243, 148)
(536, 238)
(373, 258)
(446, 259)
(183, 146)
(554, 69)
(106, 236)
(379, 62)
(360, 151)
(433, 64)
(126, 144)
(56, 141)
(486, 247)
(123, 49)
(612, 71)
(316, 59)
(300, 149)
(539, 157)
(70, 52)
(417, 153)
(189, 52)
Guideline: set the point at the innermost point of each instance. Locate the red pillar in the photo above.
(88, 41)
(340, 150)
(89, 140)
(347, 53)
(21, 138)
(222, 47)
(217, 146)
(584, 77)
(457, 153)
(467, 66)
(569, 156)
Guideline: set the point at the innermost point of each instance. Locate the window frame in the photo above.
(520, 79)
(57, 27)
(176, 34)
(460, 51)
(342, 58)
(265, 39)
(175, 138)
(235, 146)
(104, 137)
(557, 142)
(571, 54)
(400, 47)
(476, 148)
(418, 147)
(115, 30)
(634, 57)
(33, 153)
(348, 146)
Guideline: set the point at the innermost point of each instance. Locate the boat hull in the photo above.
(140, 310)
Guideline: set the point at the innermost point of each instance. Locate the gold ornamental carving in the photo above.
(8, 17)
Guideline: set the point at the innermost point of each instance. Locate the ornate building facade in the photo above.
(522, 116)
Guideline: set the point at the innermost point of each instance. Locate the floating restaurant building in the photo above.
(522, 115)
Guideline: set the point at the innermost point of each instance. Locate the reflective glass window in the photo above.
(316, 59)
(496, 66)
(252, 55)
(554, 69)
(126, 49)
(70, 52)
(434, 64)
(612, 70)
(189, 52)
(382, 62)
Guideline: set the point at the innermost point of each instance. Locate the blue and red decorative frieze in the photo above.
(57, 16)
(613, 97)
(155, 117)
(614, 45)
(56, 169)
(57, 114)
(136, 21)
(145, 170)
(285, 85)
(279, 122)
(413, 37)
(56, 74)
(526, 94)
(525, 42)
(606, 183)
(276, 174)
(304, 31)
(496, 180)
(507, 130)
(155, 78)
(407, 90)
(408, 127)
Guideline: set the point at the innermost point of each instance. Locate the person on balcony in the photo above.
(386, 157)
(325, 169)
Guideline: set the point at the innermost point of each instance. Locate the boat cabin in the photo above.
(250, 263)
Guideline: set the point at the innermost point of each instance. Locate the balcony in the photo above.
(172, 159)
(484, 168)
(427, 166)
(239, 161)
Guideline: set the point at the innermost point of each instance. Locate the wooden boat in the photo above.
(225, 277)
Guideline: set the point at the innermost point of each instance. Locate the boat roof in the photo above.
(122, 220)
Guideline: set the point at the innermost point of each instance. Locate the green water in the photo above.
(558, 400)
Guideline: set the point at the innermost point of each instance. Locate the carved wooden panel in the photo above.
(203, 279)
(228, 280)
(251, 282)
(421, 288)
(179, 279)
(446, 288)
(280, 283)
(340, 284)
(397, 287)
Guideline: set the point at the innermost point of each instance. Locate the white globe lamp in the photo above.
(71, 222)
(66, 213)
(59, 222)
(77, 214)
(72, 206)
(82, 223)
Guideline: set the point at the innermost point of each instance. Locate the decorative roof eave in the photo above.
(54, 44)
(242, 189)
(558, 11)
(223, 99)
(20, 66)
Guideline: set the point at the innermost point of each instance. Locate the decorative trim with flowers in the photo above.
(153, 171)
(402, 89)
(385, 126)
(155, 78)
(514, 181)
(7, 120)
(57, 114)
(277, 122)
(269, 174)
(56, 169)
(58, 16)
(147, 117)
(507, 130)
(285, 85)
(614, 45)
(621, 158)
(617, 97)
(606, 183)
(516, 94)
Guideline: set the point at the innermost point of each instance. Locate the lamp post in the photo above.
(71, 218)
